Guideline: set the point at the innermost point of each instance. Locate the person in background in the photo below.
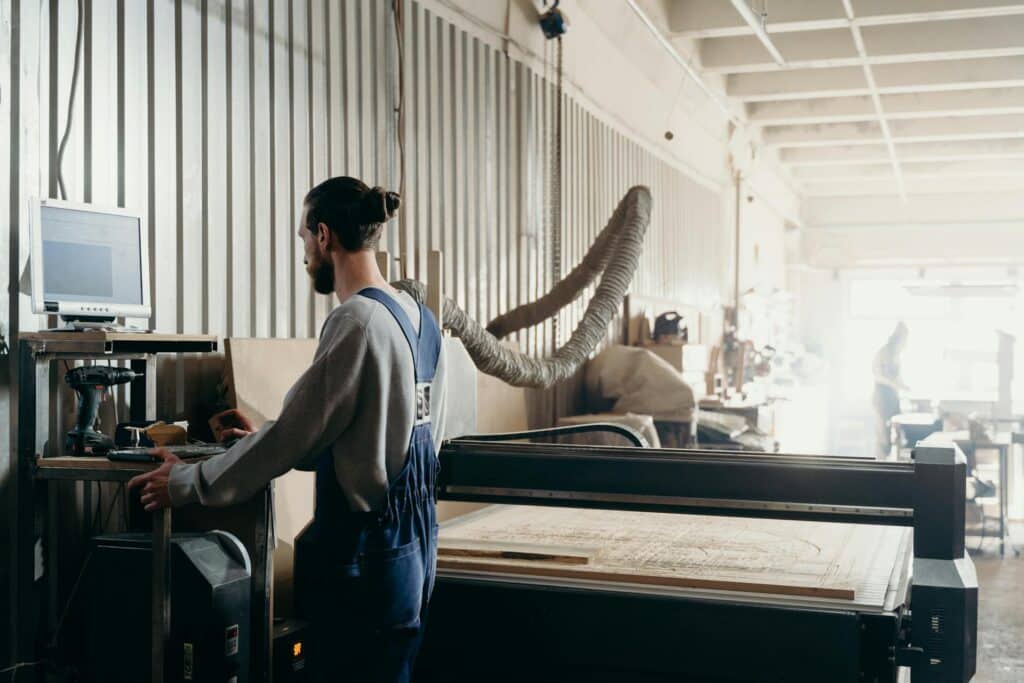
(888, 385)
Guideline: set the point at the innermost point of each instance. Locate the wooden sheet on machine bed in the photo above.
(810, 559)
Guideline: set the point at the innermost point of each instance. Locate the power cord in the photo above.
(110, 508)
(71, 101)
(399, 22)
(71, 600)
(17, 667)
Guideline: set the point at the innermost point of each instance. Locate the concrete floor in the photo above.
(1000, 616)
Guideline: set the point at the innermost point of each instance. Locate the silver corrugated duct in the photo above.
(615, 253)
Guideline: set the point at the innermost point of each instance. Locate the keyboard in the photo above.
(185, 452)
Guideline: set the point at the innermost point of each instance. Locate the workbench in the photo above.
(39, 462)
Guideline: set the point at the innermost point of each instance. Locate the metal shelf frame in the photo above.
(38, 463)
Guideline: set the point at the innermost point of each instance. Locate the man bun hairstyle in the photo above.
(353, 211)
(378, 205)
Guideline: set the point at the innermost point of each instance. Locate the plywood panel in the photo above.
(259, 374)
(837, 561)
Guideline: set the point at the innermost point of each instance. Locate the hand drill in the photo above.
(91, 383)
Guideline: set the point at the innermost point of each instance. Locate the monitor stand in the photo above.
(86, 323)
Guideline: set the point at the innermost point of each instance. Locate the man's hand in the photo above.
(155, 483)
(230, 424)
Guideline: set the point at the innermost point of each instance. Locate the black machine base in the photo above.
(539, 633)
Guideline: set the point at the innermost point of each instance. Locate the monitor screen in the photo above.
(91, 257)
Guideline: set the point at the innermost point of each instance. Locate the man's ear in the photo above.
(323, 236)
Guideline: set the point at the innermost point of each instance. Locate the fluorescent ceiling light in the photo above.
(964, 289)
(754, 21)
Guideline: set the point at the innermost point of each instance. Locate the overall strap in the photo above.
(429, 346)
(425, 346)
(400, 316)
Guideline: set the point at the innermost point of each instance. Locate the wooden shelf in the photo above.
(92, 468)
(112, 343)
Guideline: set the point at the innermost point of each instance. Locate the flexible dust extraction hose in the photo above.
(614, 255)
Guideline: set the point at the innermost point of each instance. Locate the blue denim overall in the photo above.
(368, 576)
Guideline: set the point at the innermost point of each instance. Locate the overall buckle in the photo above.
(422, 402)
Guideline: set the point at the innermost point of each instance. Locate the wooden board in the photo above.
(70, 462)
(810, 559)
(517, 551)
(259, 374)
(500, 407)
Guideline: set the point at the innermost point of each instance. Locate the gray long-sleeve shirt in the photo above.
(357, 400)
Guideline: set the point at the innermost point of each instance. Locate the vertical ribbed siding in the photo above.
(213, 117)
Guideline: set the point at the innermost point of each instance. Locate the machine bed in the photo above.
(754, 611)
(836, 566)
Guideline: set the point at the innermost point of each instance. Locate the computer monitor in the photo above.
(88, 263)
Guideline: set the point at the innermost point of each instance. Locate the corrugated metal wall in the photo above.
(213, 117)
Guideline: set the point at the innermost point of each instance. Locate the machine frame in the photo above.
(934, 633)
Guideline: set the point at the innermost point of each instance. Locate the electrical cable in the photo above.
(71, 101)
(71, 600)
(110, 509)
(556, 186)
(20, 665)
(98, 508)
(399, 23)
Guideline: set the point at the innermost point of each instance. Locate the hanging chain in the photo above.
(556, 186)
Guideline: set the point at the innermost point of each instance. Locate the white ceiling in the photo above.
(900, 97)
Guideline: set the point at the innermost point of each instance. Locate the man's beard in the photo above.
(323, 277)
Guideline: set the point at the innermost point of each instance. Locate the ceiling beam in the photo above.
(883, 124)
(904, 105)
(843, 81)
(795, 157)
(823, 134)
(914, 186)
(886, 44)
(757, 25)
(986, 33)
(707, 18)
(745, 53)
(965, 168)
(916, 169)
(954, 150)
(953, 128)
(959, 74)
(925, 208)
(962, 149)
(955, 103)
(903, 130)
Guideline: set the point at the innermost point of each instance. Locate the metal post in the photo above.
(143, 393)
(160, 603)
(263, 589)
(940, 478)
(1003, 503)
(435, 285)
(23, 600)
(736, 253)
(944, 595)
